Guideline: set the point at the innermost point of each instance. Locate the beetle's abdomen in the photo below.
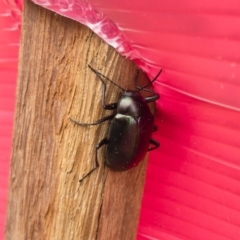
(123, 141)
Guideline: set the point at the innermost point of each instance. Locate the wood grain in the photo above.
(50, 153)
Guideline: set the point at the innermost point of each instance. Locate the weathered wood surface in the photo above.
(50, 153)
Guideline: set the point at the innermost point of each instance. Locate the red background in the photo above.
(192, 188)
(9, 46)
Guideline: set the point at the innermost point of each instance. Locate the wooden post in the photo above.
(50, 153)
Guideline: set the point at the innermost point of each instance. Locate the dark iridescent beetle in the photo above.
(130, 130)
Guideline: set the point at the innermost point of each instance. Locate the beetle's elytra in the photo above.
(130, 130)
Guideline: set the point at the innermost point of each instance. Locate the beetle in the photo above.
(130, 130)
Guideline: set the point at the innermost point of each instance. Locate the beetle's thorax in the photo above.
(131, 103)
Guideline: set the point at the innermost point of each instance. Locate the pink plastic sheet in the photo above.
(192, 187)
(10, 15)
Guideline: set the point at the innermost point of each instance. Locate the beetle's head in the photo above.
(130, 103)
(135, 95)
(128, 93)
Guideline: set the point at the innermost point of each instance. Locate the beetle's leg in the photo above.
(155, 143)
(103, 142)
(155, 128)
(110, 106)
(95, 123)
(151, 98)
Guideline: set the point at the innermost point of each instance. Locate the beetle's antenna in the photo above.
(101, 75)
(151, 82)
